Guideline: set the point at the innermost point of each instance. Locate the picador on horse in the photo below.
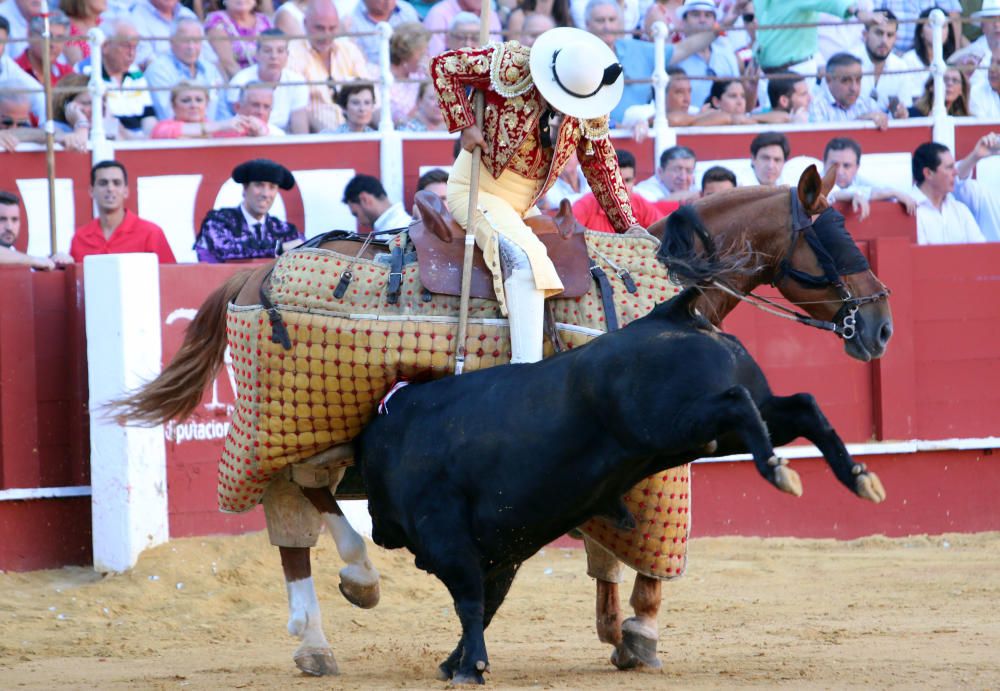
(320, 337)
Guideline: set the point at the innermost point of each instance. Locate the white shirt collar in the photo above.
(251, 221)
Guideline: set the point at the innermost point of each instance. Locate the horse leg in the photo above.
(641, 632)
(607, 571)
(359, 580)
(293, 525)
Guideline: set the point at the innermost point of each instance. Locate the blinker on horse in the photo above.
(757, 218)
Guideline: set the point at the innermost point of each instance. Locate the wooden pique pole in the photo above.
(50, 131)
(470, 231)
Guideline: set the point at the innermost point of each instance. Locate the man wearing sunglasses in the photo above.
(16, 125)
(13, 77)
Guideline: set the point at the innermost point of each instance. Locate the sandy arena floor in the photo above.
(209, 613)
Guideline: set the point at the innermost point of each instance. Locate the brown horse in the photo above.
(782, 252)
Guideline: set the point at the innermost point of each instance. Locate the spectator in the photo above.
(841, 99)
(680, 111)
(290, 112)
(920, 56)
(591, 215)
(428, 116)
(956, 95)
(439, 20)
(890, 91)
(256, 103)
(16, 126)
(571, 184)
(984, 97)
(290, 18)
(913, 9)
(717, 179)
(189, 102)
(983, 201)
(13, 77)
(661, 11)
(463, 32)
(358, 101)
(72, 109)
(17, 13)
(556, 10)
(941, 219)
(794, 50)
(534, 26)
(673, 178)
(324, 58)
(436, 182)
(715, 60)
(604, 20)
(128, 96)
(248, 231)
(768, 153)
(628, 11)
(31, 59)
(239, 20)
(84, 15)
(845, 153)
(729, 98)
(978, 53)
(116, 230)
(10, 229)
(407, 61)
(184, 63)
(155, 18)
(367, 200)
(789, 96)
(369, 13)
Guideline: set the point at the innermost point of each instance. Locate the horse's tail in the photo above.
(689, 266)
(176, 392)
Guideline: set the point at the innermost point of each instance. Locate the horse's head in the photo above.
(794, 241)
(825, 273)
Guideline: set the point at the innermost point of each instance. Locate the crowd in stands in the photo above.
(315, 65)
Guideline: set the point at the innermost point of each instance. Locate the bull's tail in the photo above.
(690, 265)
(176, 392)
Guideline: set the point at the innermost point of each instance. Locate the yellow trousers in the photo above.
(507, 201)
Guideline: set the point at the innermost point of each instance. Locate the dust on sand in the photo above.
(208, 613)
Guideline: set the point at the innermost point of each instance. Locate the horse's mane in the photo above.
(690, 265)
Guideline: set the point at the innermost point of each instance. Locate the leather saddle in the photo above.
(441, 249)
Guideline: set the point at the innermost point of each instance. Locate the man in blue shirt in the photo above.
(184, 63)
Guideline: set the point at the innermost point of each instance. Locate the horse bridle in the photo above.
(844, 322)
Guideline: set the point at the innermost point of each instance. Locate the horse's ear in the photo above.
(810, 191)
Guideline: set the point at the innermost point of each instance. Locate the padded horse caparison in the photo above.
(440, 250)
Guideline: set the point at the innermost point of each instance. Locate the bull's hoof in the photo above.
(868, 486)
(638, 648)
(785, 479)
(444, 672)
(363, 595)
(474, 679)
(317, 662)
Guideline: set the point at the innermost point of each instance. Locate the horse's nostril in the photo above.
(884, 334)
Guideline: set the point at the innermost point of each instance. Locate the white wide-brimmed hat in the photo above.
(576, 72)
(991, 8)
(698, 5)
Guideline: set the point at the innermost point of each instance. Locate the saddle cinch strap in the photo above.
(440, 250)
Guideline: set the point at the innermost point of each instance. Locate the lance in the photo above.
(470, 233)
(50, 128)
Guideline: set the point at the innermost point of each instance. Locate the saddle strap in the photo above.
(607, 295)
(279, 334)
(395, 275)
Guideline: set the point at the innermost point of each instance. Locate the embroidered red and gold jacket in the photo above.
(511, 121)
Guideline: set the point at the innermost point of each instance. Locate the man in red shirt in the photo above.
(590, 215)
(31, 59)
(116, 230)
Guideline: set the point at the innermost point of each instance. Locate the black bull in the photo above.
(474, 474)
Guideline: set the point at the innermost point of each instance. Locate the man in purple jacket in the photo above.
(248, 231)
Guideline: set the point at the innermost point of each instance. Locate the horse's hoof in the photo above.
(868, 486)
(317, 662)
(787, 480)
(362, 595)
(461, 679)
(639, 642)
(623, 659)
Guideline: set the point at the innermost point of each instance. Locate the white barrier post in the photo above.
(664, 137)
(944, 126)
(128, 467)
(100, 148)
(391, 144)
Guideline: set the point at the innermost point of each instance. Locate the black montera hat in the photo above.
(264, 170)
